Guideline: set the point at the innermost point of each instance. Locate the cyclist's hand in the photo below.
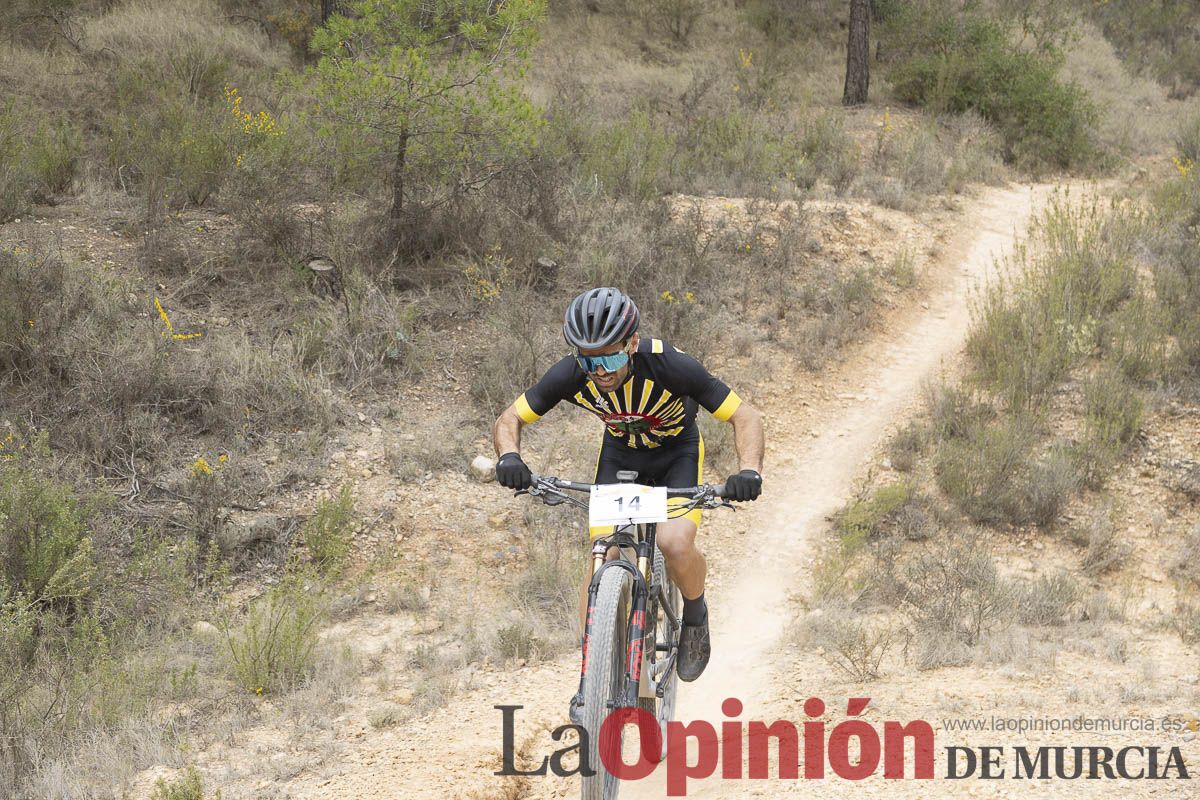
(512, 472)
(745, 485)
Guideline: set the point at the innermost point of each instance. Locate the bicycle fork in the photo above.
(636, 622)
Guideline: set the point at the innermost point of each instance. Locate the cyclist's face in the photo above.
(605, 380)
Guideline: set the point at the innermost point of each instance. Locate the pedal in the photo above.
(662, 683)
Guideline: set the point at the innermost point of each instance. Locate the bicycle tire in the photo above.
(605, 673)
(663, 709)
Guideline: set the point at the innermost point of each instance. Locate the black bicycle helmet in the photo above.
(599, 318)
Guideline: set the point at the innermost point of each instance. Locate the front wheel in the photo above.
(604, 674)
(667, 636)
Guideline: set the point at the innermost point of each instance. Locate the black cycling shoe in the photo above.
(576, 711)
(694, 649)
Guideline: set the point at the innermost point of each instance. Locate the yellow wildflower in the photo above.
(201, 467)
(667, 296)
(1184, 166)
(688, 296)
(171, 328)
(223, 458)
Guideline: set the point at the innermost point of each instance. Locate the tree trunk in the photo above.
(328, 7)
(858, 54)
(397, 210)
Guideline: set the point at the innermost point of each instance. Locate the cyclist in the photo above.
(646, 392)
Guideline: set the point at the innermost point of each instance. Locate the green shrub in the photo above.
(1176, 270)
(517, 641)
(179, 148)
(866, 517)
(1049, 313)
(272, 648)
(734, 152)
(907, 446)
(828, 152)
(631, 157)
(39, 158)
(1187, 140)
(45, 552)
(980, 471)
(189, 786)
(1113, 412)
(1048, 600)
(949, 60)
(955, 413)
(329, 532)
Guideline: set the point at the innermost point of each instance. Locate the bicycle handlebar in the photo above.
(716, 489)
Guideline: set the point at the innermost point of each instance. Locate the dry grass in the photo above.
(855, 645)
(182, 34)
(1135, 115)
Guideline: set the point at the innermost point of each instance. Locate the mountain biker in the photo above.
(646, 392)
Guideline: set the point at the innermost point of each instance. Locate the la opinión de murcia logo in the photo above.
(824, 747)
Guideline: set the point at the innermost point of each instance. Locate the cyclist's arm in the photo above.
(748, 436)
(506, 433)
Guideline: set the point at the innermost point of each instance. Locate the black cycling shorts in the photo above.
(676, 465)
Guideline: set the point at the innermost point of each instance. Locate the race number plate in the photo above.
(625, 503)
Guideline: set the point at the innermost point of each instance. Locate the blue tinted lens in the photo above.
(611, 362)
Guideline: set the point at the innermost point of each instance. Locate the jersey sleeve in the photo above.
(691, 378)
(560, 382)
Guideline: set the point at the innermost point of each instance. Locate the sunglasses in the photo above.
(611, 362)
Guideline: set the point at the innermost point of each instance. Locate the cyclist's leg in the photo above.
(677, 537)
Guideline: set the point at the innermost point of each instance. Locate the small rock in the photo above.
(483, 469)
(204, 630)
(362, 417)
(498, 520)
(366, 473)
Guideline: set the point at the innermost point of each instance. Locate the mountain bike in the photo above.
(633, 621)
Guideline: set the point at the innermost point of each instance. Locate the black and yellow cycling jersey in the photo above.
(655, 406)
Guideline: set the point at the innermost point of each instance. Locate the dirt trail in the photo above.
(815, 454)
(817, 474)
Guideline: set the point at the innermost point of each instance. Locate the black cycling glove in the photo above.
(512, 472)
(745, 485)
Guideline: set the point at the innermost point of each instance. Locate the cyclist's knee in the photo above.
(677, 540)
